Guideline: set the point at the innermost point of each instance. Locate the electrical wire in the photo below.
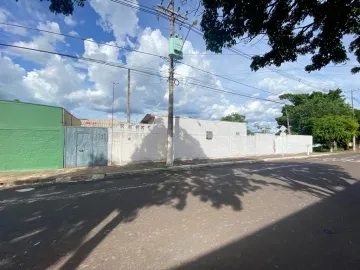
(197, 31)
(108, 63)
(133, 69)
(80, 38)
(106, 44)
(216, 75)
(235, 93)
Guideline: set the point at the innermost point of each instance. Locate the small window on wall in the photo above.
(209, 135)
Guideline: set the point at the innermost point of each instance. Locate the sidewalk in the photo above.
(8, 179)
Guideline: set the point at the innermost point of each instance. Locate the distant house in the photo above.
(100, 123)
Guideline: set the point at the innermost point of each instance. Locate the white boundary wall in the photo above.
(144, 142)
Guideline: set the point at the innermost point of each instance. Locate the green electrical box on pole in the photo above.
(175, 48)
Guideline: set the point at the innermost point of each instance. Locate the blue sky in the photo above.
(85, 88)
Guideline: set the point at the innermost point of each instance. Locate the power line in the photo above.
(197, 31)
(142, 72)
(235, 93)
(113, 64)
(124, 48)
(300, 64)
(106, 44)
(213, 74)
(80, 38)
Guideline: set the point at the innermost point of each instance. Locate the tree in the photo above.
(235, 117)
(303, 107)
(263, 129)
(334, 128)
(293, 28)
(65, 7)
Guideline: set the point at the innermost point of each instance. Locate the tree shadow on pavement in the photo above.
(59, 226)
(325, 235)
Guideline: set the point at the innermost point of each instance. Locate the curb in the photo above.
(178, 168)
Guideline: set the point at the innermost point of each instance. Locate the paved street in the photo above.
(294, 214)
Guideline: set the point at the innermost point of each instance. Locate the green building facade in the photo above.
(31, 136)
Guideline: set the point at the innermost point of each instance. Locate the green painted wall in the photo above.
(31, 137)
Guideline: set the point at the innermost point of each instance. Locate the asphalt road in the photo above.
(295, 214)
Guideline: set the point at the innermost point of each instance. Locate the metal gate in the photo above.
(85, 146)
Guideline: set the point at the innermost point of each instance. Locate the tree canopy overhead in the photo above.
(65, 7)
(293, 28)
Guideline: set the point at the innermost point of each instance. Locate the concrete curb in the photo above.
(112, 175)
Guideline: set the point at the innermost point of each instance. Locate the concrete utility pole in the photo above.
(112, 107)
(288, 122)
(169, 12)
(128, 98)
(353, 115)
(112, 120)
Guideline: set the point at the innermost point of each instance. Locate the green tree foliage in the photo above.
(357, 115)
(293, 28)
(263, 129)
(303, 107)
(65, 7)
(235, 117)
(334, 128)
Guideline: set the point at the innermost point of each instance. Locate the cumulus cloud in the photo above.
(55, 82)
(115, 18)
(6, 17)
(68, 20)
(73, 33)
(86, 88)
(43, 41)
(11, 86)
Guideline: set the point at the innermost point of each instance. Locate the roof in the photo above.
(20, 102)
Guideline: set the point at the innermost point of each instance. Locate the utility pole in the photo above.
(112, 120)
(288, 122)
(112, 107)
(128, 98)
(169, 12)
(353, 115)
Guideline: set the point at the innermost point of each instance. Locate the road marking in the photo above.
(25, 189)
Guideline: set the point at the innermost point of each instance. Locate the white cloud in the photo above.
(6, 17)
(69, 21)
(43, 41)
(86, 88)
(53, 83)
(11, 86)
(116, 18)
(4, 14)
(74, 33)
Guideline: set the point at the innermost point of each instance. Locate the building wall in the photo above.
(146, 142)
(136, 144)
(31, 137)
(69, 119)
(100, 123)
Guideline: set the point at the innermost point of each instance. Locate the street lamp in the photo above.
(112, 122)
(112, 109)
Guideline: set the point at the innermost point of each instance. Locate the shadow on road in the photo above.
(323, 236)
(66, 223)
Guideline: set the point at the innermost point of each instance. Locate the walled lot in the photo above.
(288, 214)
